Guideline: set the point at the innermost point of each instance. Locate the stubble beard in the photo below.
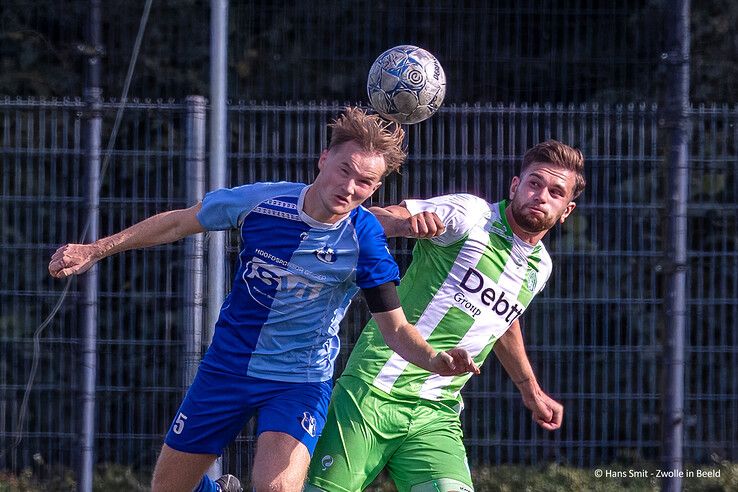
(530, 223)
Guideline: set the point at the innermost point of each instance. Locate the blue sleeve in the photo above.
(225, 208)
(376, 265)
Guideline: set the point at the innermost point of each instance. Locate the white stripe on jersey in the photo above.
(436, 309)
(482, 330)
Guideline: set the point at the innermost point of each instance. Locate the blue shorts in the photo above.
(218, 405)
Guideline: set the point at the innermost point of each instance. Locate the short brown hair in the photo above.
(559, 154)
(372, 133)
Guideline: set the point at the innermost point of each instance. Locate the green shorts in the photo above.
(366, 430)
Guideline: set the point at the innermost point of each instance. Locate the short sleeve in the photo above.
(376, 265)
(225, 208)
(458, 212)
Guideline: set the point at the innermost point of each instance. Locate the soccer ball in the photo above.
(406, 84)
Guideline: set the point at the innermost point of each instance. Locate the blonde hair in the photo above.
(372, 133)
(559, 154)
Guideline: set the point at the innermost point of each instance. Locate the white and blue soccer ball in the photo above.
(406, 84)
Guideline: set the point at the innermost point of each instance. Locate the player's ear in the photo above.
(323, 157)
(376, 186)
(567, 212)
(514, 186)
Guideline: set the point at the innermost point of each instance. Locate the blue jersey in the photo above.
(295, 280)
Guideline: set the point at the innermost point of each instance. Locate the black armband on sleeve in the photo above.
(382, 298)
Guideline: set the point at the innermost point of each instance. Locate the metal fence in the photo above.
(594, 335)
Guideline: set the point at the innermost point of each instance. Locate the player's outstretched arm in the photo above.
(510, 350)
(403, 338)
(397, 221)
(166, 227)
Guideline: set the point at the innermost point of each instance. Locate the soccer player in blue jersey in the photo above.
(305, 251)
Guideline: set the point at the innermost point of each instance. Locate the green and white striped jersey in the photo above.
(463, 289)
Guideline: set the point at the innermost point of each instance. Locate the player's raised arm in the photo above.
(397, 221)
(406, 341)
(163, 228)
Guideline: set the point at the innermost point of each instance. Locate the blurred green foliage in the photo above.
(555, 52)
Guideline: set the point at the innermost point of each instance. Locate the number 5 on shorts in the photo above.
(179, 423)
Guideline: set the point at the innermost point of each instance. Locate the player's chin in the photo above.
(343, 208)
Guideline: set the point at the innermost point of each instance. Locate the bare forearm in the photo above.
(163, 228)
(404, 338)
(167, 227)
(408, 344)
(510, 350)
(392, 219)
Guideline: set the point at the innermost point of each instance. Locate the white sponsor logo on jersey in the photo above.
(327, 461)
(325, 254)
(264, 280)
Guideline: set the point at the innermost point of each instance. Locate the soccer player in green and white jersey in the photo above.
(475, 270)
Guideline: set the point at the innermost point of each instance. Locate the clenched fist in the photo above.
(73, 259)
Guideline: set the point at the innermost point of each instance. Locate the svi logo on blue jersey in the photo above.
(265, 281)
(325, 254)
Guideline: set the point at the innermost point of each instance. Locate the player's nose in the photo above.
(541, 196)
